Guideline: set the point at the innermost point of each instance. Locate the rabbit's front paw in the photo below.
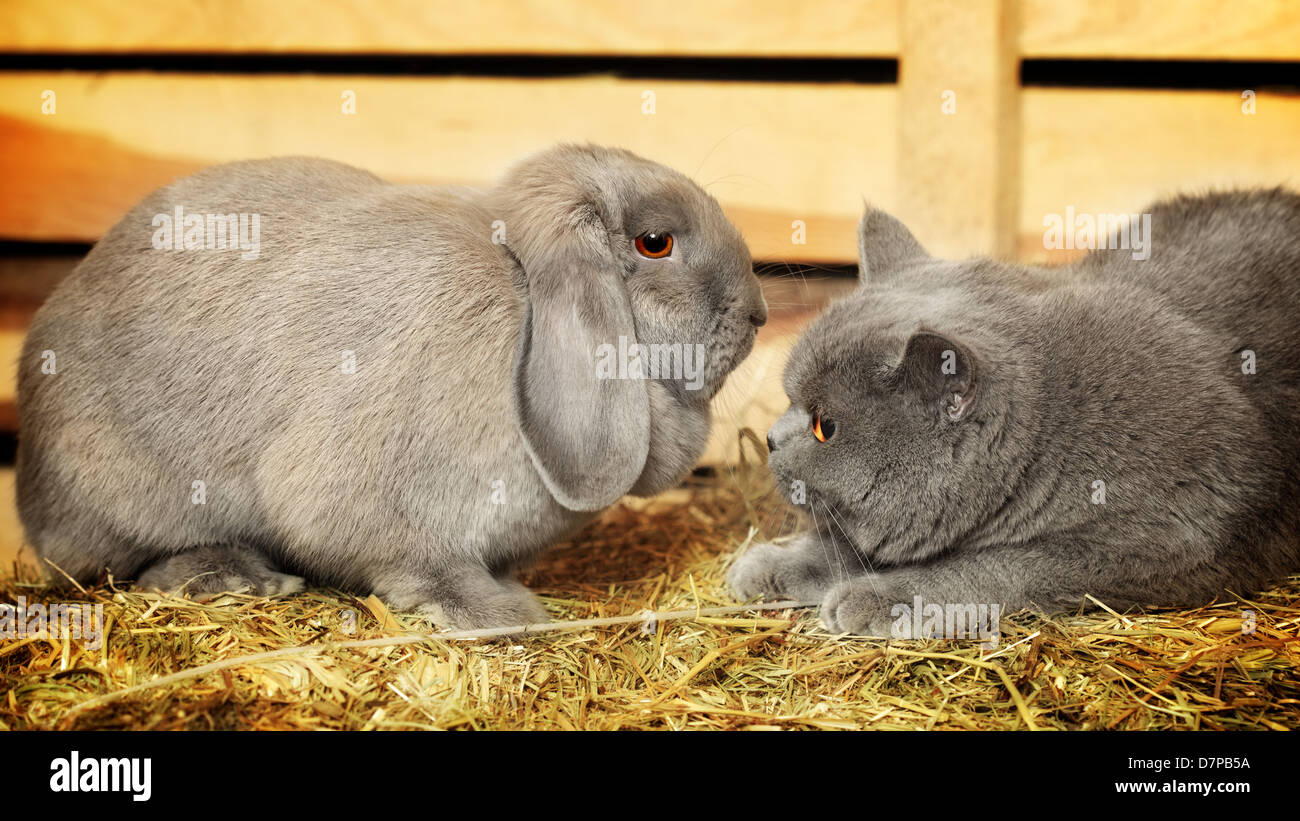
(213, 569)
(768, 571)
(482, 603)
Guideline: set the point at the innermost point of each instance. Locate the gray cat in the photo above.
(400, 389)
(979, 432)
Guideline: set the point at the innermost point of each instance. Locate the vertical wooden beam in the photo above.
(959, 125)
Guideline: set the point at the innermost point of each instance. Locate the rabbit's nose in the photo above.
(771, 444)
(758, 314)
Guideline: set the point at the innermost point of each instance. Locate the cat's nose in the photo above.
(758, 316)
(791, 422)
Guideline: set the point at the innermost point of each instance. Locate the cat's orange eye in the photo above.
(823, 429)
(654, 245)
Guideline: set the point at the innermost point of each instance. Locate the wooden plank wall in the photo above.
(795, 137)
(773, 152)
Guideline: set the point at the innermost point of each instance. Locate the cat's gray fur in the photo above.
(474, 432)
(977, 486)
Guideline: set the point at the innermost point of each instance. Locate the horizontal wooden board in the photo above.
(668, 27)
(1188, 29)
(771, 153)
(1117, 151)
(1168, 29)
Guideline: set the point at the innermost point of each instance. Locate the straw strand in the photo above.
(517, 631)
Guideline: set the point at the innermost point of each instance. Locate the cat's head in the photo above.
(900, 397)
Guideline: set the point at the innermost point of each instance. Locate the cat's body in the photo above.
(1094, 431)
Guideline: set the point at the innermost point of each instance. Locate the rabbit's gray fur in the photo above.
(976, 486)
(473, 433)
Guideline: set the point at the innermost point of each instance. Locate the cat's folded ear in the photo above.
(884, 244)
(938, 368)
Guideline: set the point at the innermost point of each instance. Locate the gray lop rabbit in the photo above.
(398, 389)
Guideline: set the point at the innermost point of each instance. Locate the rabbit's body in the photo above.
(407, 477)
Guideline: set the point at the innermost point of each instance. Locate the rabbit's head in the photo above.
(636, 283)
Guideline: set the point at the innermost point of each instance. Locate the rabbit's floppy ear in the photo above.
(588, 434)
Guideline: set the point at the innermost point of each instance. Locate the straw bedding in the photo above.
(310, 661)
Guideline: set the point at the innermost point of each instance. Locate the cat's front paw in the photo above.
(861, 606)
(753, 575)
(767, 571)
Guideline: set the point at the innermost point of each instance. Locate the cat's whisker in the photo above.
(839, 576)
(864, 562)
(841, 572)
(779, 533)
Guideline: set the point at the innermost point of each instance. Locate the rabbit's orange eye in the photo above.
(654, 245)
(823, 429)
